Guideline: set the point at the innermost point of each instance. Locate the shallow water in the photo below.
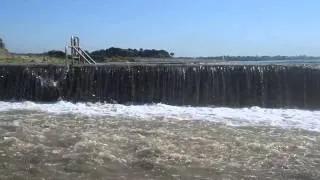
(110, 141)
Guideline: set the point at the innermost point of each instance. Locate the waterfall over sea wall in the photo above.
(176, 84)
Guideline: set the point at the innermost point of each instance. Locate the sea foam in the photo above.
(252, 116)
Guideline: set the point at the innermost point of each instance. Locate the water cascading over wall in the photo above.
(176, 84)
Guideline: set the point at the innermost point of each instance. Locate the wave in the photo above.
(253, 116)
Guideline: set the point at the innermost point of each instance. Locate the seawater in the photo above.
(65, 140)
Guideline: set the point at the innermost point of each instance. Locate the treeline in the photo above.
(103, 54)
(118, 52)
(260, 58)
(56, 54)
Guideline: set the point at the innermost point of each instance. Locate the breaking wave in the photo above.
(253, 116)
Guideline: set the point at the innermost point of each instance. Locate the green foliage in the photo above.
(2, 45)
(31, 59)
(56, 54)
(116, 53)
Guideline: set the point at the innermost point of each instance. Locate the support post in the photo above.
(66, 52)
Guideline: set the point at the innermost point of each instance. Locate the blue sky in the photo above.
(186, 27)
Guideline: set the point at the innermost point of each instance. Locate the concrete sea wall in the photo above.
(176, 84)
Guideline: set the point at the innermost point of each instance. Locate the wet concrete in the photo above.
(175, 83)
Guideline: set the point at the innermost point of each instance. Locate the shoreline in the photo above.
(166, 63)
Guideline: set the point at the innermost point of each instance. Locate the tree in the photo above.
(2, 45)
(171, 54)
(99, 55)
(57, 54)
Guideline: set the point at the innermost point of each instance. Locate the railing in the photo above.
(78, 54)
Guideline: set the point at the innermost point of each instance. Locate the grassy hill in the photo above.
(12, 58)
(17, 59)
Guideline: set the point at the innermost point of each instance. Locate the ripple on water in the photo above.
(69, 146)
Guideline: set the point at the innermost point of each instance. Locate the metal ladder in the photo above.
(77, 54)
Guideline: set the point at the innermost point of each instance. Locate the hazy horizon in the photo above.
(206, 28)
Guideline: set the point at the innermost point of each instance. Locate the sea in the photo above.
(80, 141)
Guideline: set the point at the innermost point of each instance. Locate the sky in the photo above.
(186, 27)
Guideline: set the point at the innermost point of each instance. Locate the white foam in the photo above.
(254, 116)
